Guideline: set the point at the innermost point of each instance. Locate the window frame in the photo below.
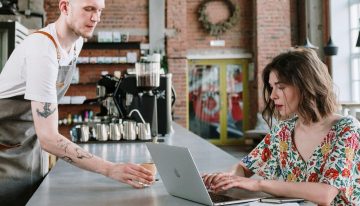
(354, 51)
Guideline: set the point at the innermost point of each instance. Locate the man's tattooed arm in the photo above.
(46, 110)
(83, 154)
(78, 152)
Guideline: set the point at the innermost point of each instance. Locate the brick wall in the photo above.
(239, 36)
(273, 33)
(117, 13)
(177, 45)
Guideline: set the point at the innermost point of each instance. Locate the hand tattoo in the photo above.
(47, 111)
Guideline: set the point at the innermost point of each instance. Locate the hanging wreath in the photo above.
(216, 29)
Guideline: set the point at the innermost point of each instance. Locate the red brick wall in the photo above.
(176, 18)
(117, 13)
(273, 33)
(239, 36)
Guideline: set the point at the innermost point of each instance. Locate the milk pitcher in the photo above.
(129, 130)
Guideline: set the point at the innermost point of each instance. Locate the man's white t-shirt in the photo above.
(32, 68)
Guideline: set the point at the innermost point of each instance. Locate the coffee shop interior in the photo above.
(205, 59)
(210, 53)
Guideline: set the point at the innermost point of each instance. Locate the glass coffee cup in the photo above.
(152, 168)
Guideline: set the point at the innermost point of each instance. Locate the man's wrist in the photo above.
(106, 168)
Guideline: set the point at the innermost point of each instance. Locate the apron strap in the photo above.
(6, 147)
(53, 41)
(19, 97)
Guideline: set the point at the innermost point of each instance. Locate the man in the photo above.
(36, 75)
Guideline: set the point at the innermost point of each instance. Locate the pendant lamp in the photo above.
(331, 49)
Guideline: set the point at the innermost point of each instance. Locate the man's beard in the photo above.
(82, 34)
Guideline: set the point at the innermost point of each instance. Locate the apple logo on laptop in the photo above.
(177, 174)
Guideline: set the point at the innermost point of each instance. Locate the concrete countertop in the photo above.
(68, 185)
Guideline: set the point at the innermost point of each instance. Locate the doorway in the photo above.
(218, 99)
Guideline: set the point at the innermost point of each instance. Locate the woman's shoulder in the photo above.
(347, 127)
(347, 121)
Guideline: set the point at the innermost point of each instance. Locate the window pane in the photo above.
(355, 51)
(354, 20)
(356, 91)
(355, 69)
(234, 79)
(204, 101)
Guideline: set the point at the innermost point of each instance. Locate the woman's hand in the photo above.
(224, 181)
(212, 178)
(132, 174)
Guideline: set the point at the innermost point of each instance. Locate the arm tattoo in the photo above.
(63, 145)
(47, 111)
(81, 153)
(67, 159)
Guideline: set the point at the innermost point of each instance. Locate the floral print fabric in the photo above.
(335, 161)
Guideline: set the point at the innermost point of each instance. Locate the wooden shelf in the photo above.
(65, 130)
(65, 109)
(84, 83)
(106, 64)
(111, 45)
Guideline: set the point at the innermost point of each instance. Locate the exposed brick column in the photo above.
(176, 46)
(272, 34)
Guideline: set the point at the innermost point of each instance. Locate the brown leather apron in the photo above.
(21, 157)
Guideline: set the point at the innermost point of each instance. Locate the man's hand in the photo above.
(131, 174)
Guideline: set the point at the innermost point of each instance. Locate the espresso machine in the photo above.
(105, 89)
(148, 92)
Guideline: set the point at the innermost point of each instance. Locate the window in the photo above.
(355, 51)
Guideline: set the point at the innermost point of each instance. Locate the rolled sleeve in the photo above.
(41, 68)
(263, 159)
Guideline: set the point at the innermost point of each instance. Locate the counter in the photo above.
(68, 185)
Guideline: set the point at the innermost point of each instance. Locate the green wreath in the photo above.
(216, 29)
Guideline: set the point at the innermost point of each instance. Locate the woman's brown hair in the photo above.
(303, 69)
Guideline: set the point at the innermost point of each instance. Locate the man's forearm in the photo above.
(70, 152)
(45, 119)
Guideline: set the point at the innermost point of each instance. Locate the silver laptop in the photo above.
(182, 179)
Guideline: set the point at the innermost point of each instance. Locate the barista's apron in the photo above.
(21, 163)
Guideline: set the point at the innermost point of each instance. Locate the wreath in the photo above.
(216, 29)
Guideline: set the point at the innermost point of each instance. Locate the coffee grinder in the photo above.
(142, 96)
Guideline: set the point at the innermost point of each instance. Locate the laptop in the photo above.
(182, 179)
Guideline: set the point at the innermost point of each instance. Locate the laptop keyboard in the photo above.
(220, 198)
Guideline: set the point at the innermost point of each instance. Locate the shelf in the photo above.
(119, 141)
(83, 105)
(111, 45)
(84, 84)
(104, 64)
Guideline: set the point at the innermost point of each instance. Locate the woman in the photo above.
(312, 153)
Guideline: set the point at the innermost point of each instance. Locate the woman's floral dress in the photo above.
(336, 161)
